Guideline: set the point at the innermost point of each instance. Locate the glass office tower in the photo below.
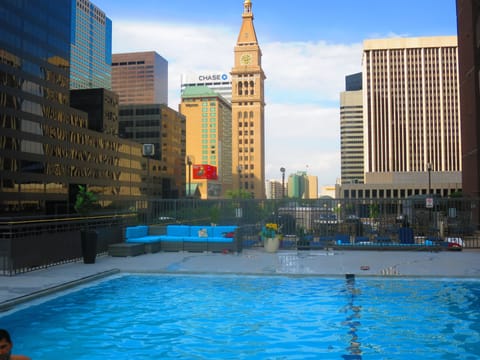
(91, 46)
(46, 148)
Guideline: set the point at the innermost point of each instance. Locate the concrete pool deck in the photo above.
(23, 287)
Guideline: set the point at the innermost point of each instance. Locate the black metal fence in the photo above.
(370, 220)
(31, 243)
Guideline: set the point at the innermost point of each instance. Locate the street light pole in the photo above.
(429, 168)
(239, 170)
(189, 163)
(282, 170)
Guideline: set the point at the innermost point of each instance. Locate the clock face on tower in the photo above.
(246, 59)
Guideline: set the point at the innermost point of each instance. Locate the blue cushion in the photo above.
(136, 231)
(220, 239)
(144, 239)
(342, 239)
(195, 230)
(197, 239)
(178, 230)
(172, 238)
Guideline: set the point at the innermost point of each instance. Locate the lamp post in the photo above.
(282, 170)
(429, 168)
(430, 205)
(148, 150)
(239, 170)
(189, 163)
(238, 210)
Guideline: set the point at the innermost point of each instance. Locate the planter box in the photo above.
(271, 245)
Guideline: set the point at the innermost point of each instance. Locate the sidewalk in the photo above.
(23, 287)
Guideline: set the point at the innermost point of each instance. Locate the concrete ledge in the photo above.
(126, 249)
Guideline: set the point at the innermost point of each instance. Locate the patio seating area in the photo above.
(192, 238)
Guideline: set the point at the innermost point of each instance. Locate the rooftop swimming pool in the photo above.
(252, 317)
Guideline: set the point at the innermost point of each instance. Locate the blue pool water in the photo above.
(250, 317)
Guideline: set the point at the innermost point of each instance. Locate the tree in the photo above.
(374, 210)
(85, 201)
(238, 194)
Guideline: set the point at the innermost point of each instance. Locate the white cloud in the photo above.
(187, 48)
(302, 137)
(304, 80)
(315, 69)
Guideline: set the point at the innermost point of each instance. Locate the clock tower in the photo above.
(248, 103)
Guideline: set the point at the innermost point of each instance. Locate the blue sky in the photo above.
(308, 47)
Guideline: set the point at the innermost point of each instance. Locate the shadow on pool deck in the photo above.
(24, 287)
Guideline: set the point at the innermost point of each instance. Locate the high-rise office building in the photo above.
(412, 142)
(302, 186)
(468, 23)
(163, 130)
(46, 149)
(298, 185)
(248, 103)
(140, 78)
(274, 190)
(351, 130)
(219, 82)
(312, 189)
(353, 82)
(412, 119)
(209, 141)
(101, 105)
(91, 47)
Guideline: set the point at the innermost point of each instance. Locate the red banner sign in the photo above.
(204, 171)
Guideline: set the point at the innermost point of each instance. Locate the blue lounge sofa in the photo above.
(173, 239)
(140, 235)
(185, 238)
(200, 238)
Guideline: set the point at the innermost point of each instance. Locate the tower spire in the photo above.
(247, 33)
(247, 8)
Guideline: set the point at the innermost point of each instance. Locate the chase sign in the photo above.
(213, 77)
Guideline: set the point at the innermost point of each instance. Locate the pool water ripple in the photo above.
(248, 317)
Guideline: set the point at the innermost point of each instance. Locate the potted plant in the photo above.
(271, 237)
(84, 203)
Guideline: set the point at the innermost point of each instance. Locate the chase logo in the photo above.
(215, 77)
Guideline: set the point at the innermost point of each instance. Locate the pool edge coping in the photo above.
(10, 304)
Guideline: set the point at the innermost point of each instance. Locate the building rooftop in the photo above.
(414, 42)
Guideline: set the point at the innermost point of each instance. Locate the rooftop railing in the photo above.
(29, 243)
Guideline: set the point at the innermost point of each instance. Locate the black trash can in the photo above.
(89, 246)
